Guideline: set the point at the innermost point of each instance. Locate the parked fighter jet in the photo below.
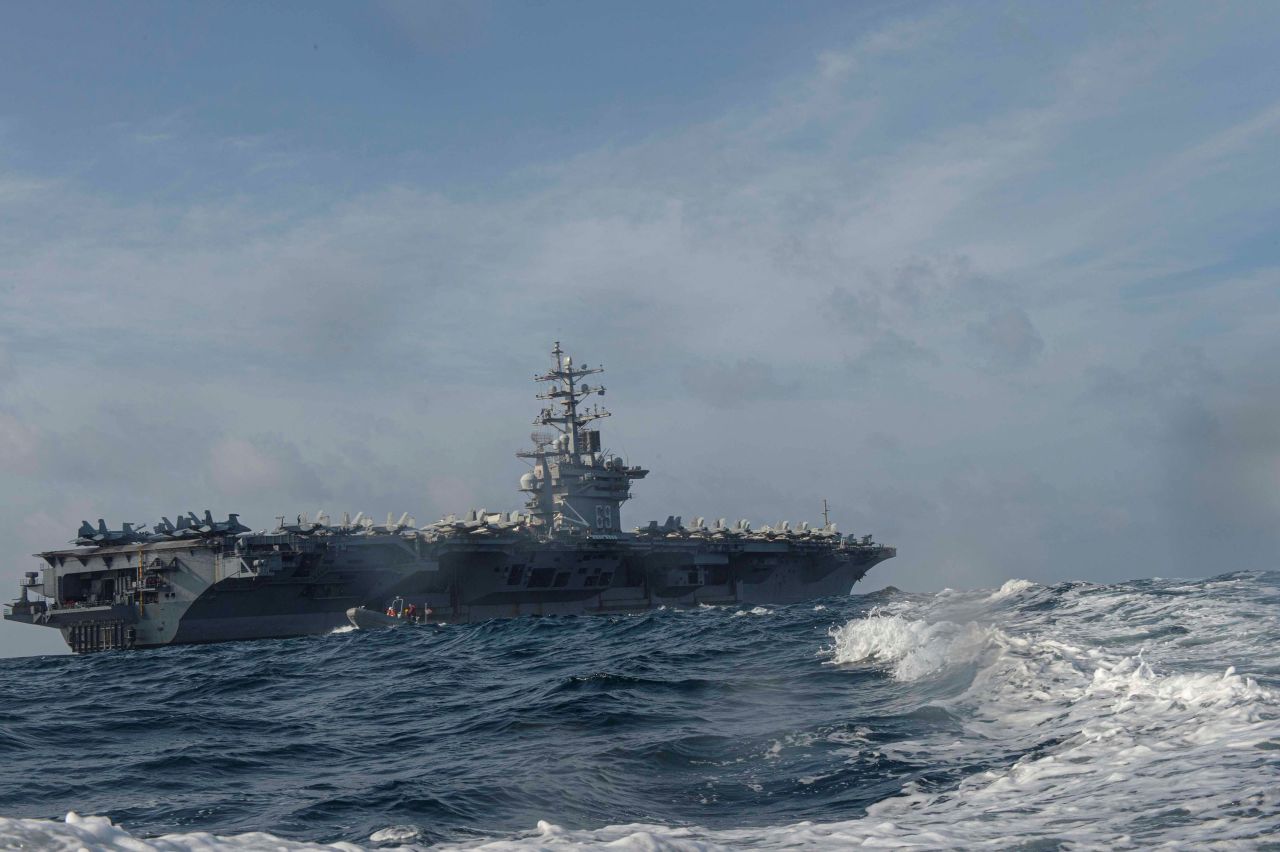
(208, 526)
(230, 526)
(391, 526)
(304, 525)
(87, 535)
(165, 529)
(188, 526)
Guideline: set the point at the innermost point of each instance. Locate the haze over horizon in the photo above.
(1000, 282)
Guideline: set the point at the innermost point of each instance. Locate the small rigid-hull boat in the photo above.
(395, 615)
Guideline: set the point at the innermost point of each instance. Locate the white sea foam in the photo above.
(350, 628)
(77, 833)
(396, 834)
(1010, 589)
(911, 649)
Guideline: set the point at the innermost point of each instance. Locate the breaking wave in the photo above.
(911, 649)
(1134, 715)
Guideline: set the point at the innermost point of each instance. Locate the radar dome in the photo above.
(528, 482)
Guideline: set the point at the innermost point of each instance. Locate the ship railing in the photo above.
(88, 603)
(278, 543)
(150, 584)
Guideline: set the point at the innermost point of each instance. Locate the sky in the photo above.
(1000, 281)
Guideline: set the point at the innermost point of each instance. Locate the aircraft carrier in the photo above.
(202, 580)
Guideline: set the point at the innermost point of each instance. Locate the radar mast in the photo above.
(574, 488)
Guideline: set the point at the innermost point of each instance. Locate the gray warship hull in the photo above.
(276, 586)
(512, 579)
(566, 554)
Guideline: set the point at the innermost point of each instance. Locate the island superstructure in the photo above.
(201, 580)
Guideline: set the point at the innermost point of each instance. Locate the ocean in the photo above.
(1143, 714)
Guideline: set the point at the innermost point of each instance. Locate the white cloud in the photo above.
(741, 383)
(19, 445)
(238, 467)
(839, 245)
(1007, 337)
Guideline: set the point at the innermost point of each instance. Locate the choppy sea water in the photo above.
(1142, 714)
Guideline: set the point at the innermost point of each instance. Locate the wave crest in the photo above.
(913, 649)
(1011, 588)
(77, 833)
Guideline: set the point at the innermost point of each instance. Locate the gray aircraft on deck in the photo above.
(202, 580)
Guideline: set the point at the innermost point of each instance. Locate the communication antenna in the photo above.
(826, 520)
